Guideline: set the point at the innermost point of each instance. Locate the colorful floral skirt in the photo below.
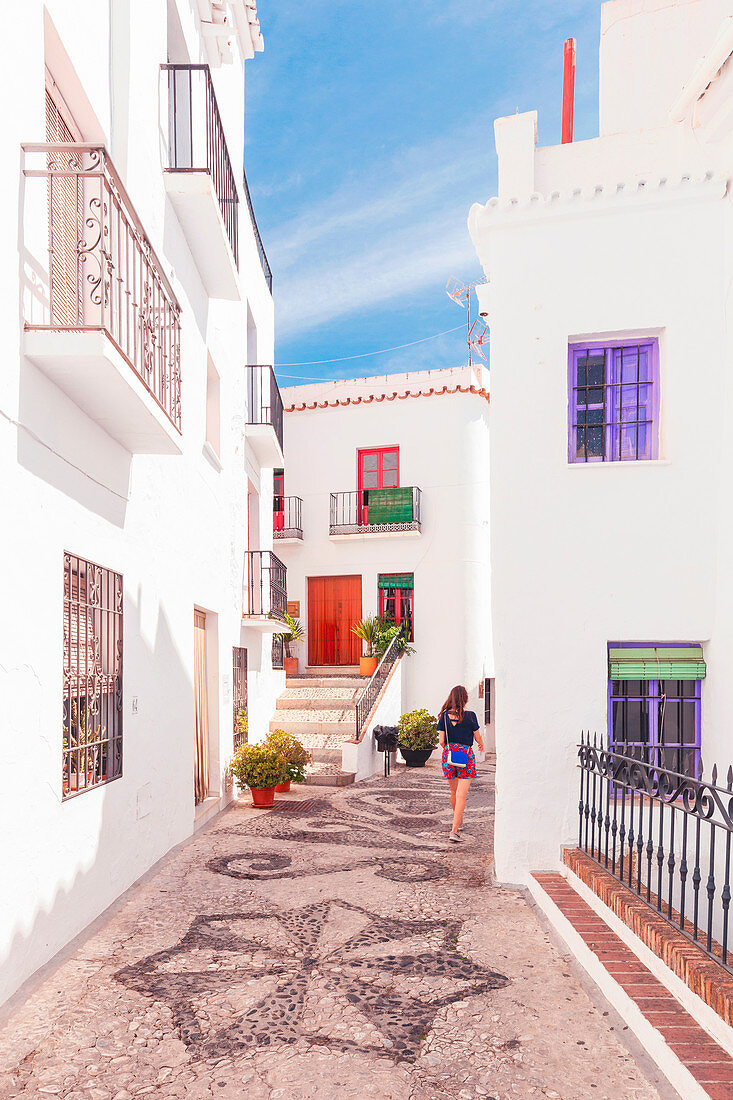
(450, 772)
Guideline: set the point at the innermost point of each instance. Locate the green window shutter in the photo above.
(396, 580)
(390, 505)
(656, 664)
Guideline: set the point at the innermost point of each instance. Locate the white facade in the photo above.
(625, 236)
(439, 422)
(91, 466)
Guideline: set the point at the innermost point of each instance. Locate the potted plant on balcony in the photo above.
(261, 768)
(295, 754)
(368, 630)
(417, 733)
(294, 634)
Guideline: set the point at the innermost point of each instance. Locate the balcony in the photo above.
(265, 416)
(287, 522)
(265, 591)
(101, 318)
(199, 179)
(375, 512)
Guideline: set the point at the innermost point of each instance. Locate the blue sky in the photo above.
(369, 136)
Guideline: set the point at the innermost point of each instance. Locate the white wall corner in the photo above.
(483, 297)
(516, 138)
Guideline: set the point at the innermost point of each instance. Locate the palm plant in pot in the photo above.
(261, 768)
(294, 634)
(295, 754)
(417, 736)
(368, 631)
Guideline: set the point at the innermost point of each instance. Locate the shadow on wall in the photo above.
(77, 857)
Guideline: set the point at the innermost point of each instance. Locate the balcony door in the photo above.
(379, 468)
(278, 500)
(334, 605)
(65, 212)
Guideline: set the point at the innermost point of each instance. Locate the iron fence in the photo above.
(267, 583)
(661, 833)
(258, 240)
(376, 682)
(278, 651)
(103, 271)
(239, 696)
(92, 699)
(368, 511)
(196, 140)
(264, 403)
(287, 522)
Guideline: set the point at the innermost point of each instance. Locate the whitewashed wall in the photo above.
(443, 443)
(603, 239)
(175, 526)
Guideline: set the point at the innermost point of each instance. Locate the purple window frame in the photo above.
(655, 751)
(617, 414)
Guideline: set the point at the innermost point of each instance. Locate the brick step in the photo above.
(685, 1052)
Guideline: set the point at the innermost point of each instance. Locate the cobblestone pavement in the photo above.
(336, 946)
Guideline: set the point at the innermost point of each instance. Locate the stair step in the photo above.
(319, 698)
(331, 779)
(343, 683)
(320, 742)
(326, 756)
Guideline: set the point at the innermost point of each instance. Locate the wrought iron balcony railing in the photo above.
(266, 582)
(196, 139)
(103, 271)
(375, 511)
(287, 522)
(264, 403)
(667, 836)
(258, 240)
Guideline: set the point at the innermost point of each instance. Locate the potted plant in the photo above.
(387, 631)
(368, 630)
(417, 732)
(260, 768)
(294, 634)
(295, 754)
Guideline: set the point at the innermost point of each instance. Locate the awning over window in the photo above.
(396, 580)
(390, 505)
(656, 664)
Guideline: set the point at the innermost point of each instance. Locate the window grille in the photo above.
(92, 691)
(239, 695)
(397, 601)
(278, 651)
(614, 402)
(487, 701)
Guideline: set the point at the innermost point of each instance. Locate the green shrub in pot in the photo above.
(295, 754)
(258, 767)
(417, 730)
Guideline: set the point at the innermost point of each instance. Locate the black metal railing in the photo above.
(378, 679)
(665, 835)
(196, 141)
(278, 651)
(103, 271)
(365, 511)
(287, 522)
(264, 403)
(260, 247)
(266, 584)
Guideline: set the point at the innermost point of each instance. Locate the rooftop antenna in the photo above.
(476, 330)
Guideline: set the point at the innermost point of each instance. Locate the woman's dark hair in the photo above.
(456, 701)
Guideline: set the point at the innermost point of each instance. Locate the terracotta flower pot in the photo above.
(282, 788)
(291, 666)
(263, 796)
(367, 666)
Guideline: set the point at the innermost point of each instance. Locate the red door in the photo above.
(334, 605)
(278, 500)
(379, 468)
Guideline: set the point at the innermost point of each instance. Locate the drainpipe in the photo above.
(568, 90)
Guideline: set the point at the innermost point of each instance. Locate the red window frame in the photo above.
(278, 500)
(408, 594)
(380, 452)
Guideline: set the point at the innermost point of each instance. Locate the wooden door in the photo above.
(334, 605)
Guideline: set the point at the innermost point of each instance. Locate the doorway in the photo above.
(334, 605)
(201, 706)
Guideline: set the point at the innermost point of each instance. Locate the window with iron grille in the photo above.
(92, 691)
(654, 715)
(397, 600)
(278, 651)
(239, 695)
(613, 402)
(487, 701)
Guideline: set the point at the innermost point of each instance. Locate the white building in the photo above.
(384, 509)
(137, 449)
(609, 264)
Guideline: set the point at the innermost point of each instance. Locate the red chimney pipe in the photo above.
(568, 90)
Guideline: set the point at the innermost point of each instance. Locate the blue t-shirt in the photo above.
(459, 733)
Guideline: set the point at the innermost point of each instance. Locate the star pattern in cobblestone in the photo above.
(324, 973)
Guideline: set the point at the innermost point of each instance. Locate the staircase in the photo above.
(318, 708)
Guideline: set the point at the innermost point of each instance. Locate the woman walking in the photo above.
(458, 728)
